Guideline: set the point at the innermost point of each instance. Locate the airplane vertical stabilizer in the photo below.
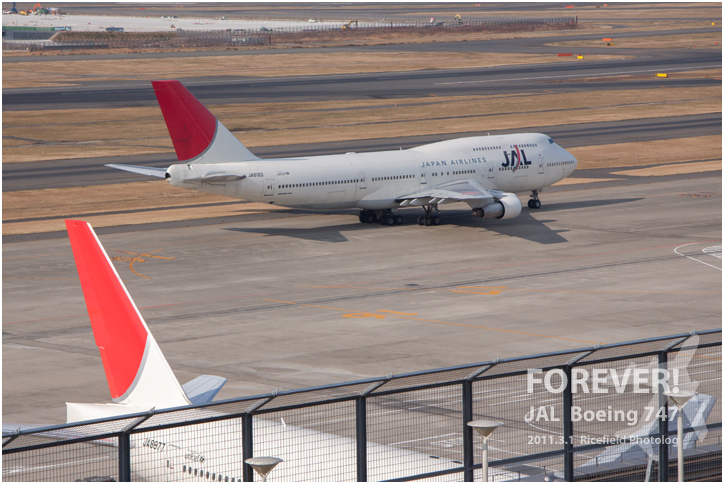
(198, 137)
(137, 372)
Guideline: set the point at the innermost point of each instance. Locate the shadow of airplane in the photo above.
(331, 233)
(525, 226)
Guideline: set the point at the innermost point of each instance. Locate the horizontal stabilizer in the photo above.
(143, 170)
(203, 389)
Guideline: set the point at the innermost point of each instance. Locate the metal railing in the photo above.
(595, 413)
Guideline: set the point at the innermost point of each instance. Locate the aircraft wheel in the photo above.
(399, 219)
(428, 220)
(421, 220)
(436, 220)
(533, 203)
(389, 220)
(371, 218)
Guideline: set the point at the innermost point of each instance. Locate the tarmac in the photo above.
(298, 299)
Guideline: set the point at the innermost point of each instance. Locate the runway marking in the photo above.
(714, 251)
(41, 278)
(139, 257)
(395, 314)
(516, 264)
(424, 438)
(363, 315)
(676, 250)
(500, 289)
(16, 469)
(27, 257)
(606, 74)
(277, 300)
(492, 291)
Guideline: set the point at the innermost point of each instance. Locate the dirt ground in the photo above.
(78, 133)
(58, 71)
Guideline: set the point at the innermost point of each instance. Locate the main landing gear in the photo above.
(384, 217)
(429, 218)
(534, 203)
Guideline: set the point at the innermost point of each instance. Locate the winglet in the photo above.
(136, 370)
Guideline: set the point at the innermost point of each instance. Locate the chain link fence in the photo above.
(15, 39)
(596, 413)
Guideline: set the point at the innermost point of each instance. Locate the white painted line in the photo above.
(676, 250)
(713, 251)
(578, 75)
(434, 437)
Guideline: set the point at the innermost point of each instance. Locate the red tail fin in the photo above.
(190, 125)
(136, 370)
(196, 134)
(118, 329)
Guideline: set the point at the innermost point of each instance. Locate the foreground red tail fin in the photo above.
(136, 370)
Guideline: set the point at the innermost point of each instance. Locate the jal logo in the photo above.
(514, 159)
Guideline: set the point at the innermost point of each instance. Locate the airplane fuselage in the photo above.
(510, 163)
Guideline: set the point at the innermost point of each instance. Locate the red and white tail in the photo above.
(198, 137)
(138, 375)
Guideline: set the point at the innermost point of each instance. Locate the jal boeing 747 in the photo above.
(486, 172)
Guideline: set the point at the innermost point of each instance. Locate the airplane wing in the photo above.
(469, 191)
(143, 170)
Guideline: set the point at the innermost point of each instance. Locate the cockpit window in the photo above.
(550, 140)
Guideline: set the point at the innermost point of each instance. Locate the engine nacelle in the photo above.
(507, 206)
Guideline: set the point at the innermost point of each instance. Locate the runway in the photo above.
(554, 77)
(319, 298)
(91, 171)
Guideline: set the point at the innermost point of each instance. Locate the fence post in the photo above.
(663, 424)
(247, 445)
(361, 410)
(124, 457)
(568, 427)
(468, 453)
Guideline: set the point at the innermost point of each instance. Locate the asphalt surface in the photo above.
(593, 265)
(555, 77)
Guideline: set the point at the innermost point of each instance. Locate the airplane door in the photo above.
(541, 165)
(423, 175)
(362, 180)
(269, 187)
(491, 170)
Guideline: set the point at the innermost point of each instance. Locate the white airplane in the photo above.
(485, 172)
(140, 380)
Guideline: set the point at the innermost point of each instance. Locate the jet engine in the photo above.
(507, 206)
